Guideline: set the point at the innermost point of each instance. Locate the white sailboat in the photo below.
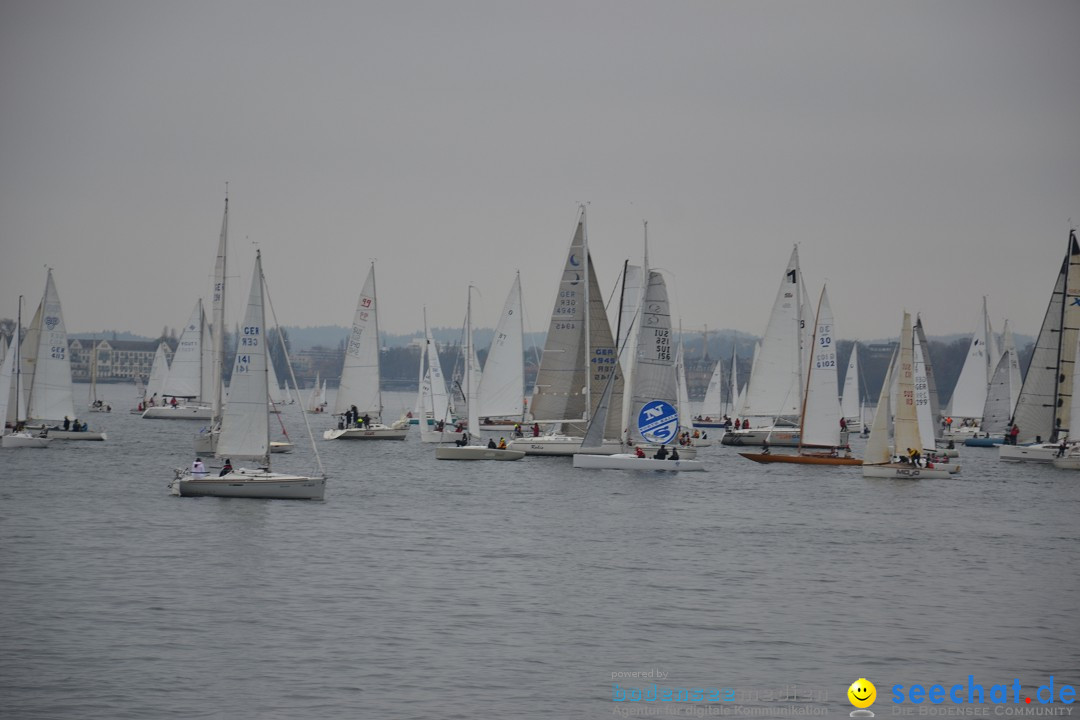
(969, 395)
(469, 448)
(245, 426)
(578, 357)
(1043, 412)
(94, 403)
(358, 403)
(159, 370)
(12, 403)
(433, 409)
(654, 396)
(184, 382)
(712, 407)
(850, 401)
(776, 387)
(47, 371)
(502, 383)
(878, 462)
(316, 402)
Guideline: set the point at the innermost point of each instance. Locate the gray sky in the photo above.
(923, 154)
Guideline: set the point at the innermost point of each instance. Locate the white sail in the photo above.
(50, 395)
(1008, 348)
(245, 425)
(735, 397)
(906, 423)
(775, 385)
(502, 384)
(441, 407)
(821, 409)
(998, 407)
(969, 395)
(850, 407)
(277, 395)
(931, 381)
(7, 387)
(316, 398)
(713, 405)
(922, 397)
(682, 391)
(159, 371)
(653, 376)
(579, 353)
(360, 372)
(185, 373)
(877, 446)
(216, 360)
(1043, 408)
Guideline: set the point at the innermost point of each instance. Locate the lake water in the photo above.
(425, 589)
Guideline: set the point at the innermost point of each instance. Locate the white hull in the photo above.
(434, 436)
(1028, 453)
(476, 452)
(180, 412)
(72, 435)
(24, 440)
(277, 446)
(377, 432)
(777, 437)
(245, 483)
(624, 461)
(567, 446)
(903, 472)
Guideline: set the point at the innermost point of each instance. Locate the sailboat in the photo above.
(776, 387)
(316, 402)
(471, 449)
(95, 404)
(48, 367)
(850, 400)
(654, 395)
(433, 410)
(187, 380)
(155, 383)
(969, 394)
(245, 425)
(502, 383)
(578, 357)
(359, 392)
(712, 407)
(878, 462)
(819, 423)
(1043, 412)
(11, 397)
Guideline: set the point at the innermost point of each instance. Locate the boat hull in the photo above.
(1028, 453)
(777, 438)
(568, 446)
(801, 459)
(983, 441)
(72, 435)
(476, 452)
(372, 433)
(256, 484)
(24, 440)
(625, 461)
(903, 472)
(180, 412)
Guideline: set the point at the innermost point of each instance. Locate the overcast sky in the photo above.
(922, 154)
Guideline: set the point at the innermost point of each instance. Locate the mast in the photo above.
(378, 347)
(218, 307)
(588, 337)
(470, 372)
(18, 366)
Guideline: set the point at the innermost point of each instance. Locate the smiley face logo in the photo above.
(862, 693)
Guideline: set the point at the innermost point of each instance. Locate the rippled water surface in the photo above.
(424, 589)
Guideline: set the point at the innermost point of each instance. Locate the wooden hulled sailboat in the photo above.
(819, 423)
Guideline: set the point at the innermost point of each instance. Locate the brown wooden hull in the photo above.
(801, 459)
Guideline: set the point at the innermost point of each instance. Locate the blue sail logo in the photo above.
(658, 422)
